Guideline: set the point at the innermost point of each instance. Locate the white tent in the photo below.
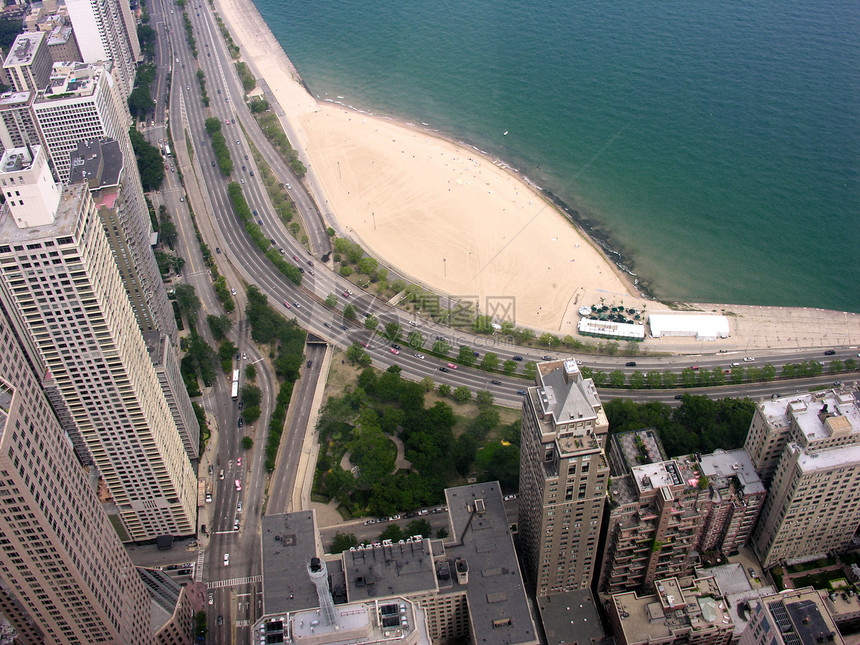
(702, 326)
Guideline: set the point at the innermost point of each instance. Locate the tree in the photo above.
(466, 356)
(371, 322)
(669, 379)
(220, 325)
(187, 300)
(247, 443)
(530, 370)
(442, 533)
(419, 527)
(149, 162)
(440, 348)
(251, 372)
(349, 312)
(427, 384)
(616, 378)
(367, 265)
(200, 627)
(331, 300)
(509, 367)
(444, 389)
(140, 102)
(343, 541)
(637, 380)
(392, 532)
(462, 394)
(654, 380)
(356, 354)
(490, 362)
(484, 399)
(415, 340)
(392, 331)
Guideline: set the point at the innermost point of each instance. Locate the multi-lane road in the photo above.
(236, 592)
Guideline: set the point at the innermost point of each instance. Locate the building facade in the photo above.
(105, 31)
(813, 503)
(61, 282)
(64, 575)
(563, 478)
(18, 127)
(29, 62)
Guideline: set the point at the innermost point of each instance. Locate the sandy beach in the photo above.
(463, 224)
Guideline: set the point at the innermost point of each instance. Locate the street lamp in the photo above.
(444, 267)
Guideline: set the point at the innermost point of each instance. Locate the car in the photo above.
(423, 511)
(749, 359)
(830, 352)
(251, 173)
(630, 364)
(236, 525)
(244, 356)
(508, 498)
(289, 187)
(221, 474)
(346, 295)
(694, 367)
(414, 323)
(187, 87)
(213, 164)
(578, 362)
(211, 469)
(394, 350)
(452, 366)
(678, 397)
(409, 515)
(272, 240)
(301, 269)
(309, 363)
(208, 498)
(521, 392)
(234, 121)
(282, 250)
(233, 291)
(421, 356)
(246, 157)
(752, 572)
(238, 484)
(243, 181)
(237, 142)
(516, 358)
(226, 559)
(297, 305)
(443, 369)
(218, 250)
(182, 199)
(239, 462)
(546, 357)
(243, 167)
(239, 506)
(238, 356)
(295, 257)
(311, 262)
(260, 222)
(326, 325)
(211, 599)
(312, 272)
(241, 404)
(287, 304)
(177, 60)
(496, 381)
(219, 91)
(241, 422)
(735, 365)
(220, 618)
(344, 327)
(396, 346)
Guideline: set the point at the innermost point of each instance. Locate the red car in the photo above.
(286, 304)
(452, 366)
(311, 262)
(395, 351)
(346, 294)
(296, 258)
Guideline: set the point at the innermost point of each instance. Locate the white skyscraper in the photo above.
(105, 31)
(60, 282)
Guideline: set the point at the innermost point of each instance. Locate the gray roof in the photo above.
(389, 570)
(565, 394)
(24, 48)
(288, 542)
(98, 162)
(496, 596)
(725, 464)
(570, 617)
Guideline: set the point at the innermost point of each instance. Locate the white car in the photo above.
(749, 359)
(226, 559)
(236, 525)
(421, 356)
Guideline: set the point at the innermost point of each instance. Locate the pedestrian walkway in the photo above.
(198, 571)
(233, 582)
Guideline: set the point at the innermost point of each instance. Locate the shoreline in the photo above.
(752, 326)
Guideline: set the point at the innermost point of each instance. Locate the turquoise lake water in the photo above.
(716, 145)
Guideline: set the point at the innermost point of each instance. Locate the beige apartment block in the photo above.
(65, 578)
(813, 502)
(563, 478)
(62, 287)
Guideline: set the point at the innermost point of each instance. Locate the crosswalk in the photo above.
(233, 582)
(198, 570)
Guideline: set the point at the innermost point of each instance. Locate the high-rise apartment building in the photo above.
(82, 103)
(734, 501)
(120, 204)
(64, 575)
(791, 617)
(655, 513)
(67, 298)
(29, 62)
(105, 31)
(813, 502)
(18, 127)
(563, 478)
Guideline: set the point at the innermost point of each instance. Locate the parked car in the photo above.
(496, 382)
(630, 364)
(830, 352)
(517, 358)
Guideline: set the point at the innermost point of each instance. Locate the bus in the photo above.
(166, 150)
(235, 391)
